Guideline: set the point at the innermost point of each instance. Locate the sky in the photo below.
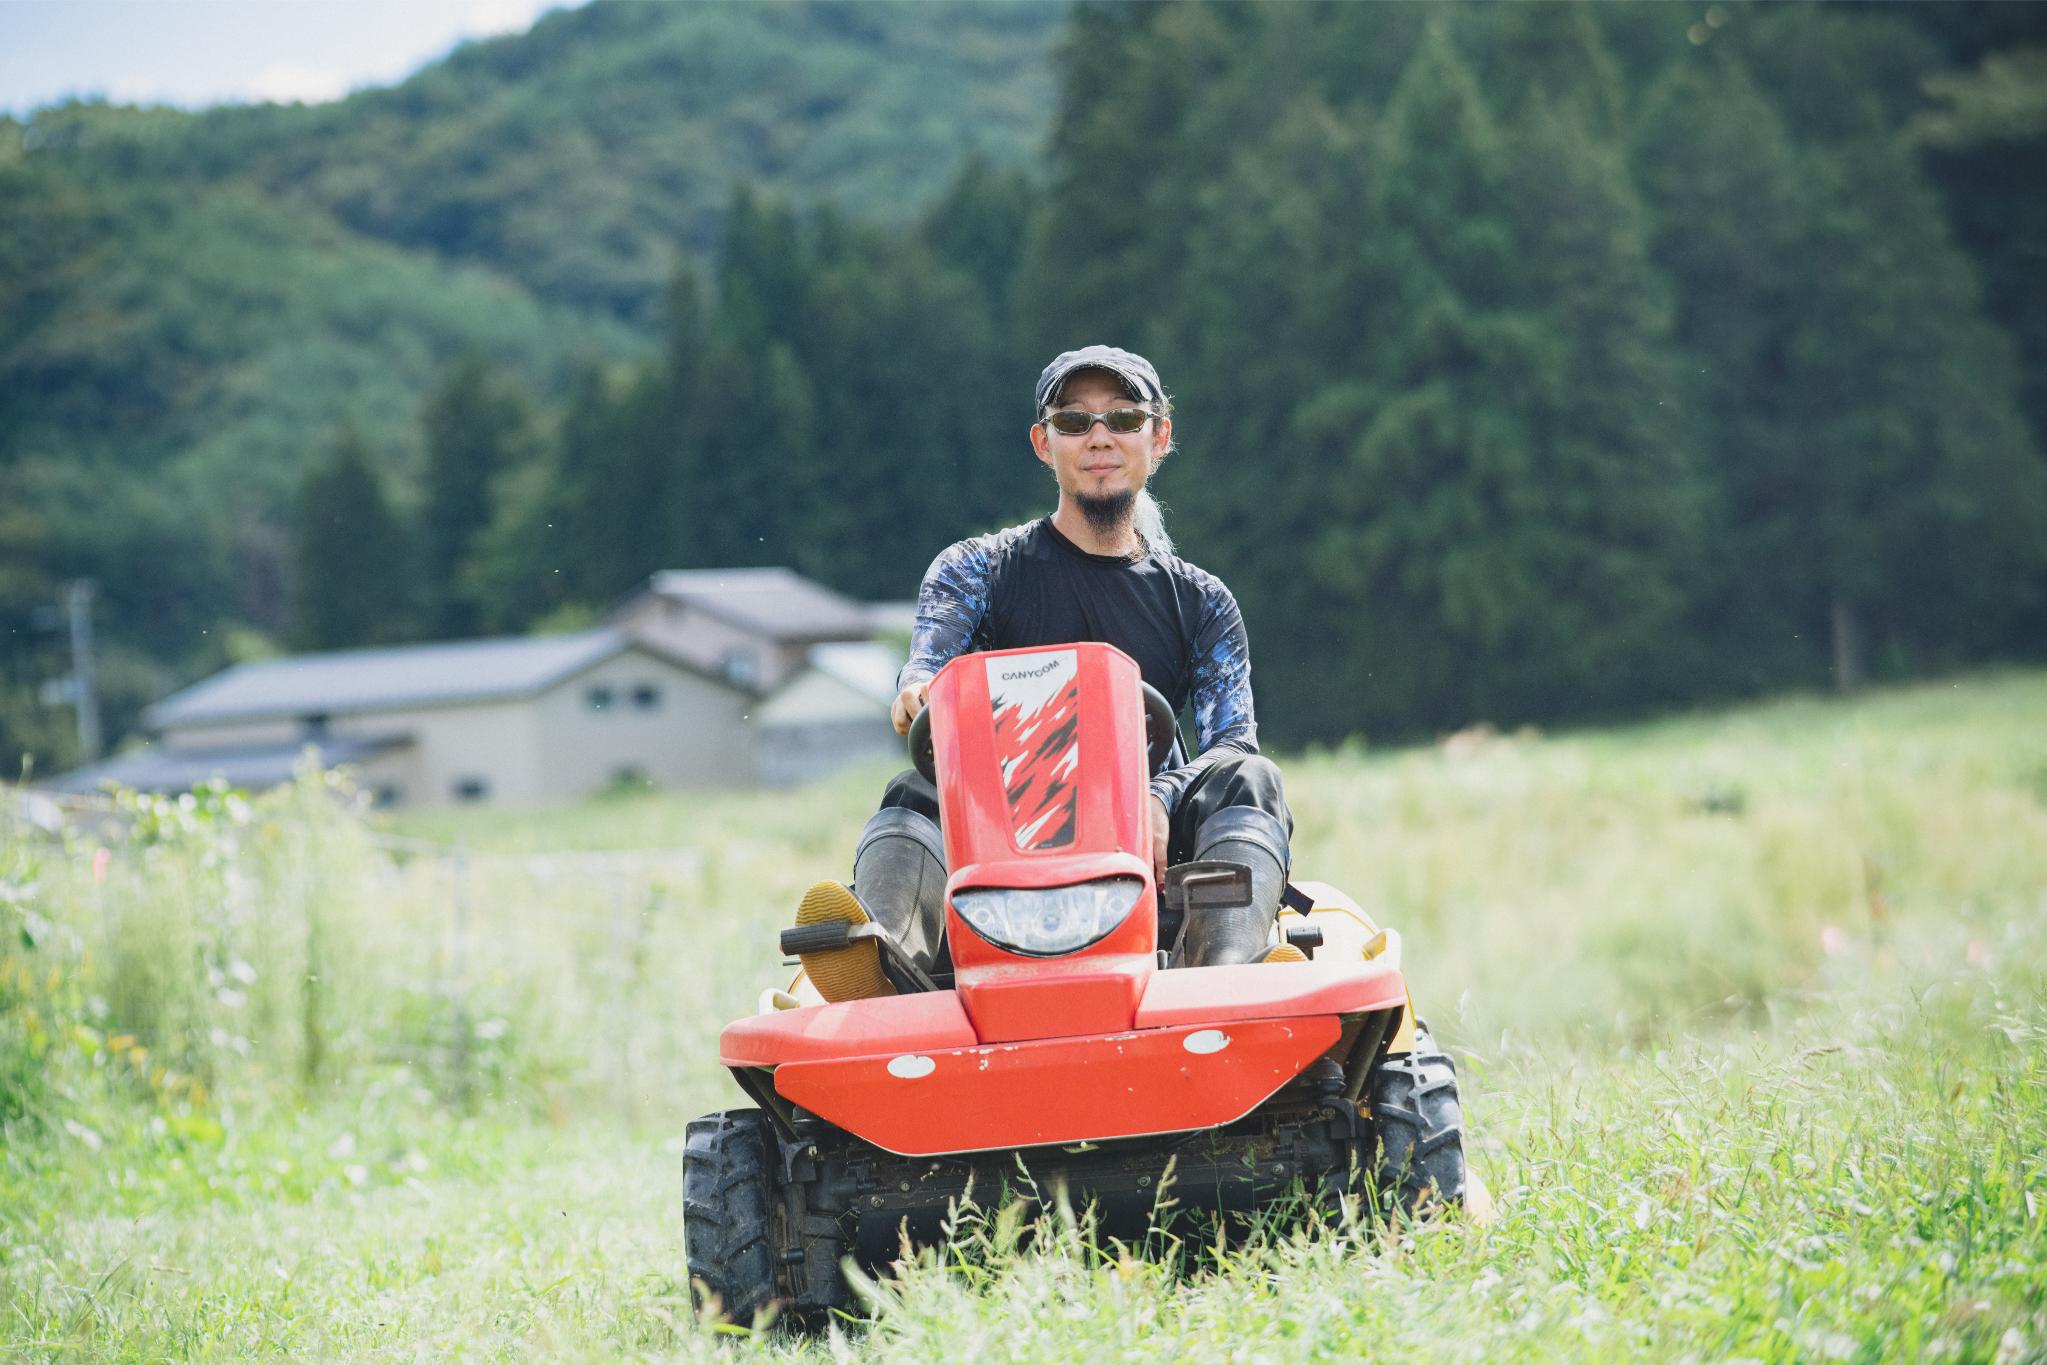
(198, 52)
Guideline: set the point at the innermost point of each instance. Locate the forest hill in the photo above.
(1531, 363)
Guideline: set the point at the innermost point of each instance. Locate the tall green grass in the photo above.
(1748, 1008)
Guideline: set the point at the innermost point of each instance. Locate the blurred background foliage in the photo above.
(1534, 363)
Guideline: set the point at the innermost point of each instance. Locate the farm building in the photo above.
(755, 627)
(703, 679)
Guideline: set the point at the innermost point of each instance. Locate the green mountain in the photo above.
(192, 305)
(577, 157)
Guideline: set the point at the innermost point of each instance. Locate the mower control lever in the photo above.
(1306, 937)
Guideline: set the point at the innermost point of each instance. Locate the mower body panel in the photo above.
(934, 1020)
(908, 1073)
(881, 1027)
(1059, 1090)
(1042, 763)
(1258, 990)
(1057, 999)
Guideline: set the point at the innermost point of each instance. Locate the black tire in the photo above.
(728, 1195)
(1418, 1130)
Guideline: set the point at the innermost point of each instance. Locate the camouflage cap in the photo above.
(1134, 370)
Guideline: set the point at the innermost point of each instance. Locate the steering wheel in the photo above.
(1160, 730)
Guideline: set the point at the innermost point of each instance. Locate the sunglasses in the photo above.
(1122, 421)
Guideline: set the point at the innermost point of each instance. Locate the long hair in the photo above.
(1149, 518)
(1149, 515)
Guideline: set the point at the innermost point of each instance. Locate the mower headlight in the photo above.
(1049, 921)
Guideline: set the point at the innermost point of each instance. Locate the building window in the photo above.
(471, 788)
(598, 698)
(742, 667)
(647, 697)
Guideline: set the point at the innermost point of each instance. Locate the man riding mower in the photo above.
(1071, 958)
(1055, 1044)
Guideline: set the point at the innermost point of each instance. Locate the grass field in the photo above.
(1751, 1010)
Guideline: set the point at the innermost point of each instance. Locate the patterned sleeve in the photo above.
(951, 604)
(1223, 719)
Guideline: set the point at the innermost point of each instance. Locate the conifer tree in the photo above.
(352, 579)
(1615, 525)
(763, 276)
(1499, 536)
(1989, 120)
(736, 413)
(610, 503)
(1124, 174)
(671, 420)
(1881, 496)
(978, 228)
(1550, 54)
(1723, 185)
(915, 446)
(477, 428)
(976, 237)
(1270, 326)
(1928, 497)
(522, 568)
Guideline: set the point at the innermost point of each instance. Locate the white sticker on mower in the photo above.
(1202, 1042)
(911, 1067)
(1035, 701)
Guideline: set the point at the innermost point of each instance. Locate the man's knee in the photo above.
(908, 790)
(1232, 781)
(1245, 780)
(1256, 770)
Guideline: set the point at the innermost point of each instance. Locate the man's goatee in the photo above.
(1108, 513)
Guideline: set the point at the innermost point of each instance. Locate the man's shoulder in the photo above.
(1208, 585)
(991, 547)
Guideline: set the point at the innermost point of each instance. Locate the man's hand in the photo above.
(1161, 831)
(907, 704)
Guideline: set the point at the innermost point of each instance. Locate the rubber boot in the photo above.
(899, 875)
(1217, 936)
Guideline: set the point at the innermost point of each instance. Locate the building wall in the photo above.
(819, 724)
(656, 721)
(691, 732)
(476, 751)
(790, 755)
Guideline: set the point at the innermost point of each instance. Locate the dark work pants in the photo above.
(1232, 780)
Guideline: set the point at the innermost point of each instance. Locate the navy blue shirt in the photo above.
(1030, 586)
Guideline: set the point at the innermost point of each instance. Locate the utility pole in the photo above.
(84, 694)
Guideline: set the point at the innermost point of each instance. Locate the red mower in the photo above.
(1059, 1053)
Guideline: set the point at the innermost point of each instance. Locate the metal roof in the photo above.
(778, 604)
(353, 680)
(252, 767)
